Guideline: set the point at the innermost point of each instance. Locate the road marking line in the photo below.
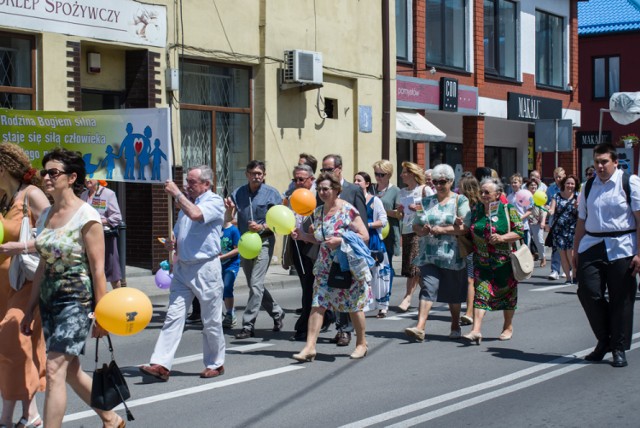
(415, 313)
(198, 357)
(396, 413)
(189, 391)
(493, 394)
(552, 287)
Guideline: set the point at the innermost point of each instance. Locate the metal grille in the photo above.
(196, 138)
(7, 66)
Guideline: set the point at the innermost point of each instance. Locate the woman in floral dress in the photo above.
(564, 209)
(494, 228)
(331, 221)
(68, 282)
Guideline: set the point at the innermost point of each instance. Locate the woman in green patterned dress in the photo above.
(494, 227)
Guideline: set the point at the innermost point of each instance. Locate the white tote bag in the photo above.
(23, 266)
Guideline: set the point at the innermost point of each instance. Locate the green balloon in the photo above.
(385, 231)
(249, 245)
(281, 220)
(1, 232)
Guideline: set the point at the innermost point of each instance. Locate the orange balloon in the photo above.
(303, 201)
(124, 311)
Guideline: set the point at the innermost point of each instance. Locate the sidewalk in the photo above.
(277, 277)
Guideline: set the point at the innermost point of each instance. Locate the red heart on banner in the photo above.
(137, 145)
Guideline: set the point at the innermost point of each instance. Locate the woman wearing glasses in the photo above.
(443, 274)
(331, 221)
(495, 226)
(408, 203)
(69, 281)
(22, 359)
(388, 194)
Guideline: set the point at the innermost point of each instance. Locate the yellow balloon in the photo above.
(124, 311)
(385, 231)
(1, 232)
(281, 220)
(249, 245)
(539, 198)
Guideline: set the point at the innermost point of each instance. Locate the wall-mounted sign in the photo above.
(365, 119)
(116, 20)
(589, 139)
(448, 94)
(530, 108)
(424, 94)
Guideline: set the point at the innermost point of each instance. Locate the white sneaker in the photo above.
(564, 275)
(553, 275)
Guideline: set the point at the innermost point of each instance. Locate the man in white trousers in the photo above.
(196, 273)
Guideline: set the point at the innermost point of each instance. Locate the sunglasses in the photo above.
(440, 182)
(324, 189)
(53, 173)
(299, 179)
(327, 169)
(379, 174)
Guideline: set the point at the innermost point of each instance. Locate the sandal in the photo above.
(24, 423)
(381, 315)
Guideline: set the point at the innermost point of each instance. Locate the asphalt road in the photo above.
(537, 379)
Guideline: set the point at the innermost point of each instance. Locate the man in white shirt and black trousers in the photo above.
(606, 240)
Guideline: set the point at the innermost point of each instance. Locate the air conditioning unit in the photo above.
(303, 67)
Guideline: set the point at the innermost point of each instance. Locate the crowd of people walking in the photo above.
(457, 235)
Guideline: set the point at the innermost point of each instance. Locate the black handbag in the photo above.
(109, 387)
(339, 278)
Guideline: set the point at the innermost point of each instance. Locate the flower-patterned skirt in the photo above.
(65, 304)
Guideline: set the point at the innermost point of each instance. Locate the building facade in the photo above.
(483, 72)
(221, 70)
(609, 33)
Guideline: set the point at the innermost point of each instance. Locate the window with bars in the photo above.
(215, 121)
(17, 88)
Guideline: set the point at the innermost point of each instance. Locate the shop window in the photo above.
(500, 38)
(606, 76)
(550, 49)
(404, 30)
(446, 33)
(448, 153)
(17, 87)
(502, 159)
(215, 121)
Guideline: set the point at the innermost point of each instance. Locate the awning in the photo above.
(413, 126)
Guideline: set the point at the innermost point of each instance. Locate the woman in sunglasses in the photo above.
(68, 282)
(331, 221)
(443, 274)
(495, 226)
(22, 358)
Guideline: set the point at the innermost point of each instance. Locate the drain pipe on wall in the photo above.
(386, 82)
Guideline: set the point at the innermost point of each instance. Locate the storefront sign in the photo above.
(448, 94)
(589, 139)
(118, 145)
(424, 94)
(530, 108)
(114, 20)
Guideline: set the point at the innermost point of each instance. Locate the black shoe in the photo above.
(245, 333)
(278, 323)
(344, 339)
(599, 352)
(298, 338)
(619, 359)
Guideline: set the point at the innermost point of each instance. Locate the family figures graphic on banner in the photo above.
(134, 146)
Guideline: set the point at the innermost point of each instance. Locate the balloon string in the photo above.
(299, 256)
(250, 208)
